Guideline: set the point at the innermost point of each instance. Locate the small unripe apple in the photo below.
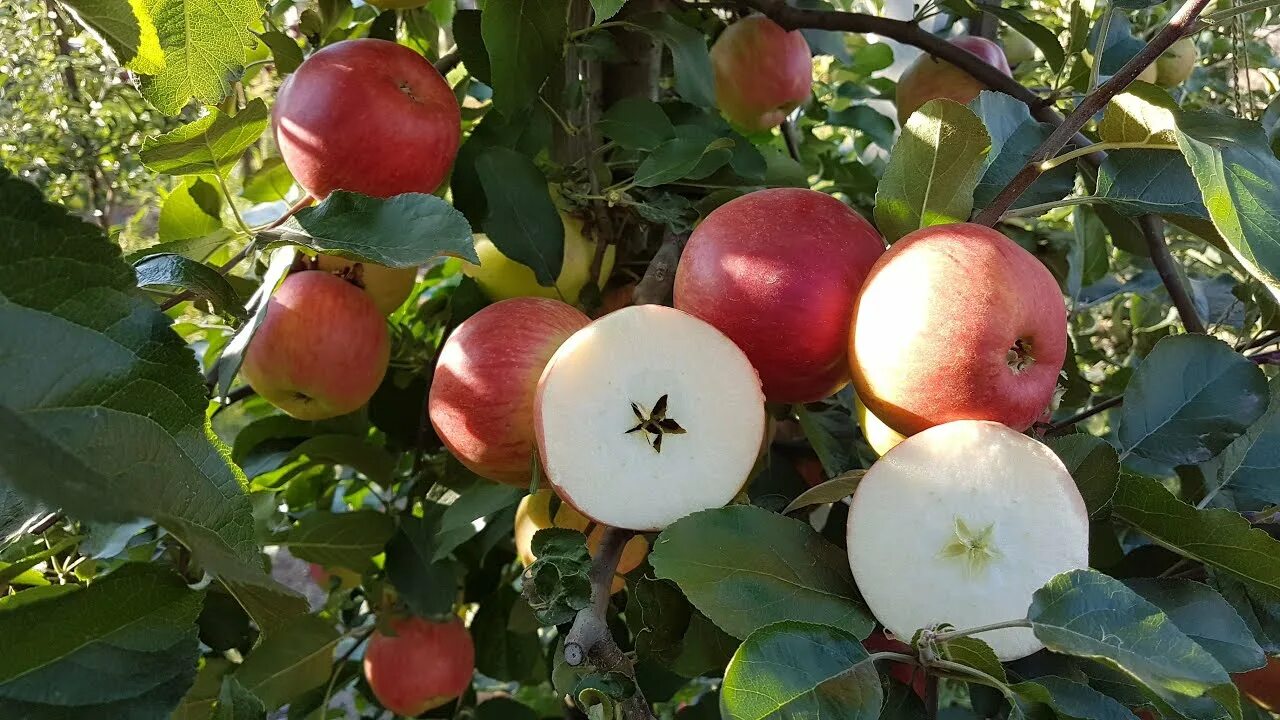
(321, 350)
(880, 437)
(929, 78)
(481, 401)
(416, 665)
(777, 271)
(762, 73)
(957, 322)
(1262, 686)
(389, 287)
(1017, 48)
(501, 278)
(325, 577)
(534, 514)
(1174, 65)
(368, 116)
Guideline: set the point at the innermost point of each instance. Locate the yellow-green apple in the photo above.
(928, 78)
(627, 428)
(880, 437)
(762, 73)
(368, 116)
(414, 665)
(1262, 686)
(501, 278)
(1017, 48)
(534, 514)
(326, 578)
(389, 287)
(481, 400)
(961, 524)
(321, 350)
(1174, 65)
(777, 271)
(957, 322)
(1149, 73)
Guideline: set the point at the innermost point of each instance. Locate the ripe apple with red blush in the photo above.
(368, 116)
(929, 78)
(762, 73)
(1261, 686)
(904, 673)
(414, 665)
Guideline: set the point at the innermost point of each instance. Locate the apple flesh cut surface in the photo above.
(368, 116)
(928, 78)
(961, 524)
(482, 393)
(957, 322)
(647, 415)
(534, 514)
(321, 350)
(778, 271)
(414, 665)
(762, 73)
(501, 278)
(389, 287)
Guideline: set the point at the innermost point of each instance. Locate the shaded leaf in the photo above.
(636, 124)
(1205, 617)
(427, 586)
(503, 652)
(402, 231)
(1248, 471)
(192, 210)
(689, 57)
(1071, 699)
(525, 39)
(1136, 182)
(522, 220)
(974, 653)
(1039, 35)
(682, 157)
(469, 36)
(348, 539)
(834, 490)
(237, 703)
(212, 144)
(290, 663)
(1094, 466)
(1009, 159)
(177, 273)
(285, 52)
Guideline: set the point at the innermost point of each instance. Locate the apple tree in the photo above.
(681, 359)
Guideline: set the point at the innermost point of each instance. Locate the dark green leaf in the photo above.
(1094, 466)
(833, 490)
(402, 231)
(357, 453)
(468, 35)
(348, 539)
(1071, 699)
(1119, 47)
(503, 652)
(689, 56)
(522, 220)
(480, 499)
(270, 183)
(1001, 115)
(192, 210)
(1009, 159)
(199, 701)
(1136, 182)
(284, 51)
(556, 584)
(212, 144)
(605, 9)
(1039, 35)
(294, 661)
(637, 124)
(1257, 606)
(428, 587)
(682, 157)
(974, 653)
(525, 39)
(504, 708)
(831, 433)
(126, 27)
(176, 273)
(1248, 471)
(1205, 617)
(528, 134)
(237, 703)
(879, 128)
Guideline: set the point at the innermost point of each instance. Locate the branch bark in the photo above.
(659, 280)
(1153, 233)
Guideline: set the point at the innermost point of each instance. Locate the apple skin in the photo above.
(324, 577)
(322, 349)
(420, 665)
(1174, 65)
(501, 278)
(1262, 686)
(906, 674)
(389, 287)
(368, 116)
(777, 271)
(1017, 48)
(936, 323)
(481, 399)
(762, 73)
(929, 79)
(879, 436)
(534, 514)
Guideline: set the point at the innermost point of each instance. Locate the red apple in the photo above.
(762, 72)
(325, 577)
(322, 349)
(929, 78)
(368, 116)
(481, 402)
(904, 673)
(1262, 686)
(419, 665)
(957, 322)
(389, 287)
(777, 271)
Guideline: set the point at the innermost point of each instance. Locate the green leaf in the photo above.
(803, 578)
(1219, 538)
(126, 27)
(227, 365)
(681, 157)
(1205, 617)
(123, 647)
(237, 703)
(1246, 471)
(1257, 606)
(481, 499)
(468, 35)
(636, 123)
(1240, 178)
(503, 651)
(203, 42)
(1120, 45)
(1071, 699)
(1039, 35)
(192, 210)
(290, 663)
(357, 453)
(690, 58)
(1188, 400)
(932, 170)
(974, 653)
(557, 584)
(348, 539)
(1010, 157)
(606, 9)
(427, 586)
(1143, 113)
(800, 670)
(212, 144)
(1137, 182)
(9, 572)
(269, 183)
(1094, 466)
(522, 220)
(1132, 635)
(834, 490)
(831, 432)
(285, 52)
(199, 701)
(168, 271)
(402, 231)
(525, 39)
(196, 248)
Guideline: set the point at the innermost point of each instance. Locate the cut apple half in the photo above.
(647, 415)
(961, 524)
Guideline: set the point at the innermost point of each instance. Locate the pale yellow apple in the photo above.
(534, 514)
(1174, 65)
(881, 437)
(389, 287)
(501, 278)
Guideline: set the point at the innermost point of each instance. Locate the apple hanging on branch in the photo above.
(389, 287)
(535, 513)
(928, 78)
(762, 73)
(413, 664)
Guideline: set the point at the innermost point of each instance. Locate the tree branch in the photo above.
(448, 61)
(1084, 415)
(1153, 232)
(655, 288)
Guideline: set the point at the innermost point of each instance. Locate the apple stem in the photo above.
(953, 634)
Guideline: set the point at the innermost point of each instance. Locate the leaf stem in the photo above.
(1054, 162)
(1104, 31)
(1218, 16)
(1042, 208)
(953, 634)
(564, 125)
(1085, 414)
(226, 192)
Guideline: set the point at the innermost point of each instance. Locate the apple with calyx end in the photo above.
(928, 78)
(777, 271)
(501, 278)
(389, 287)
(993, 515)
(368, 116)
(647, 415)
(326, 577)
(534, 514)
(414, 665)
(957, 322)
(879, 436)
(1174, 65)
(1017, 48)
(481, 400)
(321, 350)
(762, 73)
(1262, 686)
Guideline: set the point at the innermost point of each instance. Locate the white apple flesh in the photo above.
(609, 447)
(961, 524)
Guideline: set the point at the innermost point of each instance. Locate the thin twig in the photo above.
(448, 62)
(1085, 414)
(303, 202)
(1153, 233)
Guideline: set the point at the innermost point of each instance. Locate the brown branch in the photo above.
(1153, 232)
(1084, 415)
(302, 203)
(448, 61)
(655, 288)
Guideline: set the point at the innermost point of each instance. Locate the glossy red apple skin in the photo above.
(904, 673)
(777, 271)
(1262, 686)
(762, 73)
(423, 665)
(929, 78)
(368, 116)
(321, 350)
(481, 401)
(935, 323)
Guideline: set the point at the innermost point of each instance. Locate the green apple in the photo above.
(502, 278)
(1017, 48)
(1174, 65)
